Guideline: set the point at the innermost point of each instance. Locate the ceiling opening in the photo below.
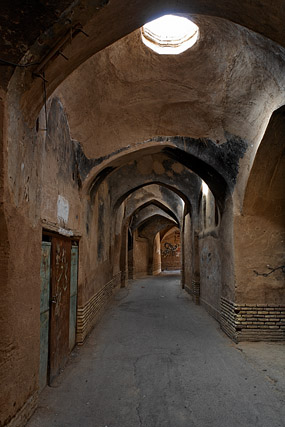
(170, 34)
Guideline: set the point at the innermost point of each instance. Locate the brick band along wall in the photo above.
(213, 311)
(194, 291)
(23, 415)
(156, 268)
(89, 314)
(253, 322)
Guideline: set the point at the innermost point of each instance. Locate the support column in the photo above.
(196, 269)
(150, 256)
(130, 255)
(124, 257)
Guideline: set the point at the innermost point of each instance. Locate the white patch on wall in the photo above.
(65, 232)
(62, 209)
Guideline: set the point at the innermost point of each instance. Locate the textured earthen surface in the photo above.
(114, 155)
(171, 250)
(260, 239)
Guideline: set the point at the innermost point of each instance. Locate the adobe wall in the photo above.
(188, 252)
(171, 251)
(156, 268)
(260, 229)
(125, 96)
(158, 195)
(210, 272)
(43, 169)
(19, 272)
(140, 256)
(42, 191)
(258, 310)
(210, 254)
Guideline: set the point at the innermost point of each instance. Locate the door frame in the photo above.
(49, 236)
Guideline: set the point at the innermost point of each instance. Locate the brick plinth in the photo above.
(194, 291)
(253, 322)
(89, 314)
(211, 309)
(23, 415)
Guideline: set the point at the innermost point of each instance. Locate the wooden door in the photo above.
(60, 305)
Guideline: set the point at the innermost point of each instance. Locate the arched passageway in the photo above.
(101, 154)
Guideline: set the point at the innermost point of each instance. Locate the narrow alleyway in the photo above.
(157, 360)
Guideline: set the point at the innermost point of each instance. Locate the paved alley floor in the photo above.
(157, 360)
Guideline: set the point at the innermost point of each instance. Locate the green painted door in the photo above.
(44, 313)
(73, 296)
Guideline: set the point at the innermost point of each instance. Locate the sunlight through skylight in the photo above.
(170, 34)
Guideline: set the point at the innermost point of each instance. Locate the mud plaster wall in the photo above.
(158, 194)
(22, 305)
(21, 240)
(119, 243)
(156, 267)
(60, 187)
(98, 226)
(60, 199)
(103, 205)
(99, 245)
(135, 77)
(210, 271)
(7, 335)
(42, 192)
(143, 217)
(38, 170)
(95, 18)
(152, 168)
(209, 249)
(131, 94)
(208, 215)
(171, 250)
(260, 231)
(140, 255)
(187, 252)
(21, 214)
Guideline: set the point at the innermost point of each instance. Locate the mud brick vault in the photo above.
(118, 162)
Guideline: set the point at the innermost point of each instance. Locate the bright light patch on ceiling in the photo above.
(170, 34)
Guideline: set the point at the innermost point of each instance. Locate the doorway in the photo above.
(59, 272)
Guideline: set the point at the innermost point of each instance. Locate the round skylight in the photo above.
(170, 34)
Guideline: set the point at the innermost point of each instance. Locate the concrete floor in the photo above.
(157, 360)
